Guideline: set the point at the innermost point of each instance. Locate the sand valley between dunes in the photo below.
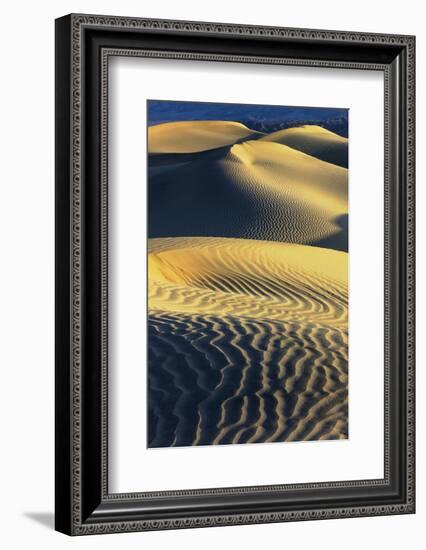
(247, 284)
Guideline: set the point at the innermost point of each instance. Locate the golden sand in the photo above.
(194, 136)
(293, 175)
(248, 278)
(315, 141)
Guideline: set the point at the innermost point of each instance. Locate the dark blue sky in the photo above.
(257, 117)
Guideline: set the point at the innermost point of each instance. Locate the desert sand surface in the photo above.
(249, 339)
(315, 141)
(195, 136)
(247, 285)
(254, 189)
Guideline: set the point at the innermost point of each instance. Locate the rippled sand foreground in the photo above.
(248, 341)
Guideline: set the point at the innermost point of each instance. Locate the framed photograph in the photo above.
(234, 274)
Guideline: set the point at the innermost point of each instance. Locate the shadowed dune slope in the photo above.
(195, 136)
(247, 342)
(256, 189)
(315, 141)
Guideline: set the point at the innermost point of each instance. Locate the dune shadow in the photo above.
(340, 240)
(200, 394)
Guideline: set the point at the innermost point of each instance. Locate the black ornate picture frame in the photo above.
(84, 44)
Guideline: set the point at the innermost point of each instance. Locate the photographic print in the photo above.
(247, 273)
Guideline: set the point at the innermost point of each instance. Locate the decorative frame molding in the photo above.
(84, 505)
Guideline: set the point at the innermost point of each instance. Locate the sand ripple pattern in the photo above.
(248, 342)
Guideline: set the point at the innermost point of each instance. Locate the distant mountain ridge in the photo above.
(262, 118)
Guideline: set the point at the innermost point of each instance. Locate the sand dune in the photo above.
(247, 342)
(315, 141)
(255, 189)
(249, 278)
(195, 136)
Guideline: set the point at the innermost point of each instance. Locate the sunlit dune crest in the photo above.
(255, 189)
(286, 170)
(252, 337)
(195, 136)
(315, 141)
